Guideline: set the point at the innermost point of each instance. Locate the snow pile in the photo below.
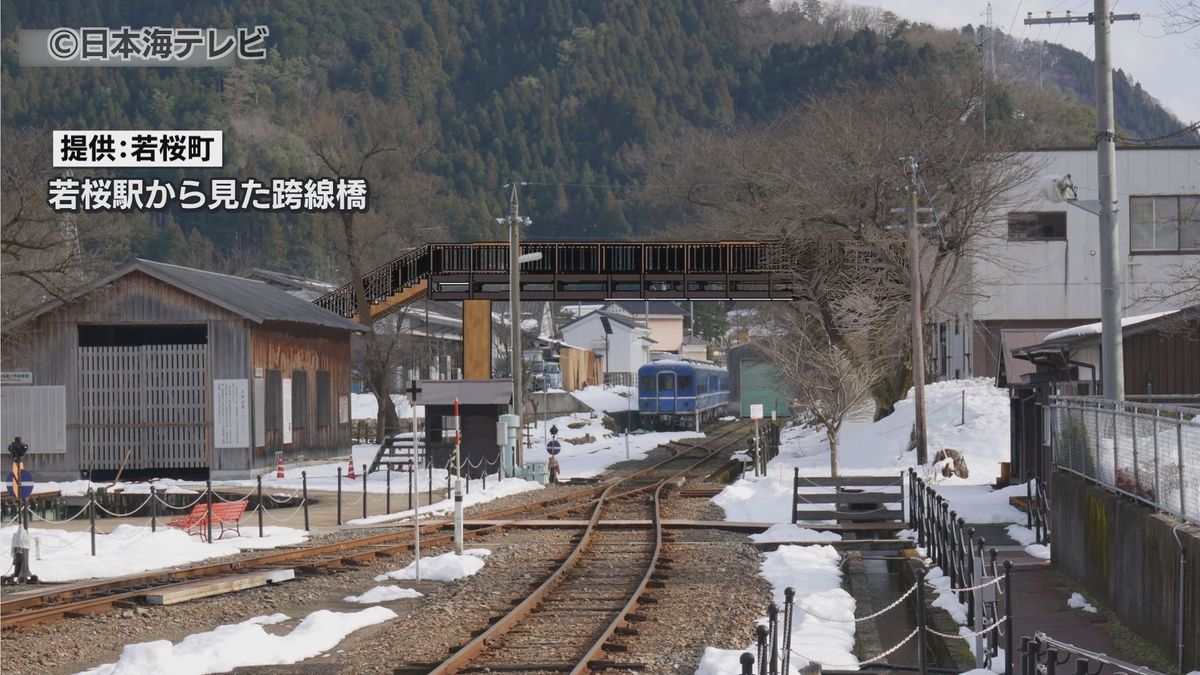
(128, 549)
(495, 490)
(789, 532)
(978, 504)
(1040, 551)
(1077, 601)
(823, 627)
(879, 448)
(384, 594)
(79, 488)
(617, 398)
(444, 567)
(243, 644)
(946, 599)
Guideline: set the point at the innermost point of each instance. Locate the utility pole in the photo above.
(1112, 350)
(515, 223)
(914, 289)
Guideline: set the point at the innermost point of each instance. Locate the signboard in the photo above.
(554, 447)
(286, 399)
(343, 409)
(756, 411)
(26, 484)
(260, 407)
(231, 413)
(16, 377)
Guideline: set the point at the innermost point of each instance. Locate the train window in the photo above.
(702, 385)
(647, 383)
(685, 382)
(666, 381)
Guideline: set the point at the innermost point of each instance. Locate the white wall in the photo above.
(1061, 279)
(626, 349)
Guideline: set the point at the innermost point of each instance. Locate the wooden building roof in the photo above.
(254, 300)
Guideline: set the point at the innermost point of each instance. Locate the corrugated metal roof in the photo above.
(468, 392)
(255, 300)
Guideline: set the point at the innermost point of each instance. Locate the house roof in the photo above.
(468, 392)
(1073, 339)
(693, 340)
(615, 318)
(657, 307)
(257, 301)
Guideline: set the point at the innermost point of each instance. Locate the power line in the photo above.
(1158, 140)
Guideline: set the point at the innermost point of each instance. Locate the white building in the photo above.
(623, 352)
(1040, 271)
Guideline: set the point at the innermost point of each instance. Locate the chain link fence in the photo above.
(1148, 451)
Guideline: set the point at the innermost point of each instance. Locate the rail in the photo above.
(471, 651)
(1147, 451)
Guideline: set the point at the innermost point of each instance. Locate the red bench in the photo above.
(223, 513)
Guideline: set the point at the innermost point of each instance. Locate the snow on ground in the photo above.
(617, 398)
(243, 644)
(823, 627)
(880, 448)
(789, 532)
(946, 599)
(365, 407)
(592, 457)
(384, 594)
(1077, 601)
(79, 488)
(323, 477)
(1038, 551)
(444, 567)
(66, 556)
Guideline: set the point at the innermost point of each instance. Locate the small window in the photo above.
(299, 400)
(647, 384)
(324, 399)
(1037, 226)
(685, 383)
(1164, 224)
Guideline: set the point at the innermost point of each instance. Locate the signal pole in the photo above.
(1111, 342)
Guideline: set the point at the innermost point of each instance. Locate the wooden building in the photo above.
(160, 370)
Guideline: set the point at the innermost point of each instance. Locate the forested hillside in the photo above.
(567, 95)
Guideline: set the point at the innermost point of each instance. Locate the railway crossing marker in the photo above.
(21, 483)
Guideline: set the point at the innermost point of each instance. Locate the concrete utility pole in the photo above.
(515, 223)
(1111, 343)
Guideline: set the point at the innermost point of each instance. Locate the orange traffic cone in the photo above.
(279, 469)
(350, 473)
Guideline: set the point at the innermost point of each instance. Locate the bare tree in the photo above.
(350, 135)
(824, 180)
(1181, 16)
(43, 254)
(828, 380)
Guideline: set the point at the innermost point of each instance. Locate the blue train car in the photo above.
(681, 394)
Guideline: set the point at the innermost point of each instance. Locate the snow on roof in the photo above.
(1094, 328)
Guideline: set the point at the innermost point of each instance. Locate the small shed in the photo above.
(480, 404)
(754, 379)
(161, 370)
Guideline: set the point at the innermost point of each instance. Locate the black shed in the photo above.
(480, 403)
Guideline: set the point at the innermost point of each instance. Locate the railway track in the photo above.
(573, 621)
(60, 601)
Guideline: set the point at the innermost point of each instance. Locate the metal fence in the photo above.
(1148, 451)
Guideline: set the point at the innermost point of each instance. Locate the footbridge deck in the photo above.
(573, 271)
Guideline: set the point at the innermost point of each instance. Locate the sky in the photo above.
(1167, 65)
